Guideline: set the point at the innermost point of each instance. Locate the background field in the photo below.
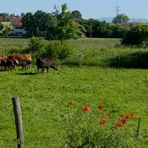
(43, 96)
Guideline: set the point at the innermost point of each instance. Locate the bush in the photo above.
(36, 46)
(56, 50)
(97, 127)
(136, 36)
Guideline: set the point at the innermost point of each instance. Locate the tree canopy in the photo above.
(120, 19)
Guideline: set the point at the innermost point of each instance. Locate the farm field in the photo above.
(44, 96)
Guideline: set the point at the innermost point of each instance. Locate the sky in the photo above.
(89, 8)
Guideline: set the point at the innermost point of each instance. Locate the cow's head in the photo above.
(16, 62)
(54, 66)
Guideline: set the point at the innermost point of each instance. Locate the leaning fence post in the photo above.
(138, 129)
(18, 122)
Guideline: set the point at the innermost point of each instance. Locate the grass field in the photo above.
(43, 96)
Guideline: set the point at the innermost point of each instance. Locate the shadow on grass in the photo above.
(28, 73)
(133, 60)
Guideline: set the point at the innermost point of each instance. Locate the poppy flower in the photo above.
(102, 114)
(100, 107)
(127, 116)
(103, 122)
(86, 108)
(132, 115)
(122, 116)
(123, 122)
(118, 125)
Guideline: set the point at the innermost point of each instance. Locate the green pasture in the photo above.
(44, 96)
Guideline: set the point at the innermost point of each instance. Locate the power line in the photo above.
(117, 10)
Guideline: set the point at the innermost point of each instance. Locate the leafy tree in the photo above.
(6, 31)
(1, 26)
(66, 28)
(76, 14)
(137, 35)
(120, 19)
(29, 24)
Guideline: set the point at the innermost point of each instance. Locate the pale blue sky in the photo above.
(88, 8)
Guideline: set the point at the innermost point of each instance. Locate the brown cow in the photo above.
(23, 59)
(7, 63)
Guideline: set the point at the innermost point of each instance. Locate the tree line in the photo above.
(60, 25)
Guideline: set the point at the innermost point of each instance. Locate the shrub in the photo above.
(55, 49)
(36, 46)
(97, 127)
(137, 35)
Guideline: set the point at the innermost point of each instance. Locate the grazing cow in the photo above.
(2, 58)
(7, 63)
(23, 59)
(45, 63)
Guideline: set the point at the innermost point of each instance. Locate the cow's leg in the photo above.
(43, 69)
(47, 69)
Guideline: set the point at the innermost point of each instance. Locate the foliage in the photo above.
(65, 28)
(97, 127)
(120, 19)
(1, 26)
(35, 46)
(56, 50)
(76, 15)
(137, 35)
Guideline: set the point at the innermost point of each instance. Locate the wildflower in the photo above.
(123, 122)
(127, 116)
(86, 108)
(69, 103)
(103, 122)
(102, 114)
(100, 107)
(132, 115)
(122, 116)
(118, 125)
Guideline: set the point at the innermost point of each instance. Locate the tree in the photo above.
(66, 27)
(39, 23)
(137, 35)
(29, 24)
(1, 26)
(76, 15)
(120, 19)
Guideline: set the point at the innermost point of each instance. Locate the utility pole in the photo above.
(117, 10)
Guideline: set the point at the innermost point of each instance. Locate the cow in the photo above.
(2, 58)
(7, 63)
(45, 63)
(23, 59)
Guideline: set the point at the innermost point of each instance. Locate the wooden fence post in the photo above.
(18, 122)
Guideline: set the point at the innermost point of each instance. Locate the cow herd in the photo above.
(25, 61)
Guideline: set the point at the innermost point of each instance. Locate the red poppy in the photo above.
(69, 103)
(86, 108)
(122, 116)
(100, 107)
(132, 115)
(127, 116)
(102, 114)
(118, 125)
(109, 115)
(123, 122)
(103, 122)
